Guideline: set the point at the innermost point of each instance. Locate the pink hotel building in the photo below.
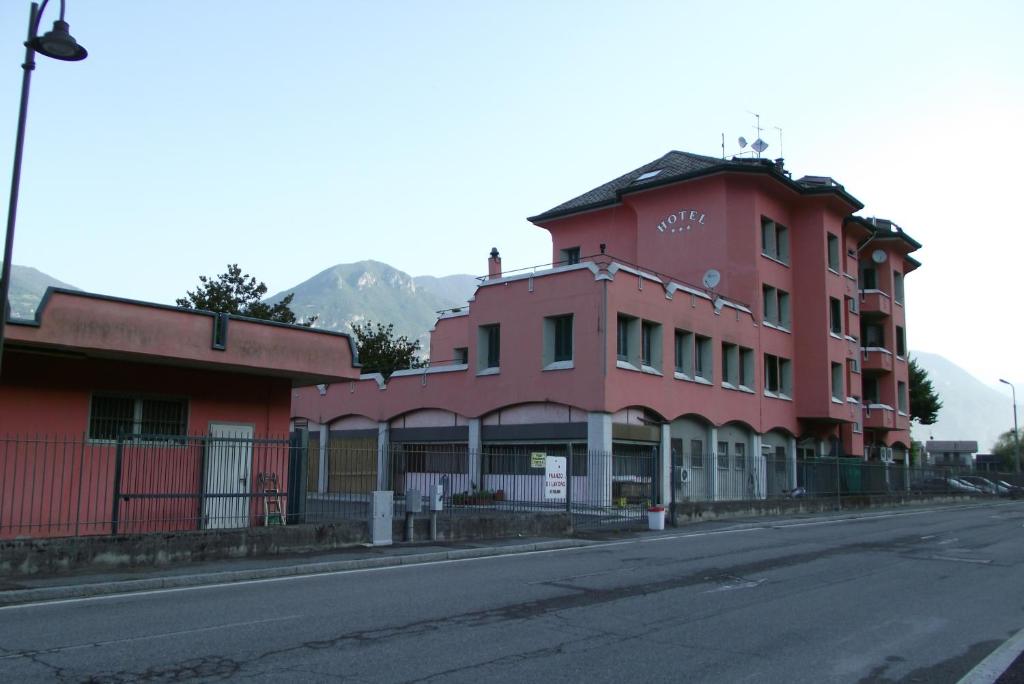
(714, 312)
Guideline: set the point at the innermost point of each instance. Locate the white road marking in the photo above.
(949, 541)
(110, 642)
(961, 560)
(929, 536)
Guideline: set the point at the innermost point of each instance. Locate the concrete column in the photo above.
(666, 465)
(712, 465)
(323, 475)
(475, 445)
(757, 466)
(383, 456)
(599, 458)
(906, 471)
(791, 463)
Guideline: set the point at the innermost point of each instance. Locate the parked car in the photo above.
(943, 484)
(984, 484)
(1011, 490)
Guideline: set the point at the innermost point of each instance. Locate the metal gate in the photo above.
(618, 489)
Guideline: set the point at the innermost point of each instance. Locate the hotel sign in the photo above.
(681, 221)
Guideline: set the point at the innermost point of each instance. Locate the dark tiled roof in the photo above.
(676, 166)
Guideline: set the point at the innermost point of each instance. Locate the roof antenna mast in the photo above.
(780, 140)
(758, 145)
(723, 144)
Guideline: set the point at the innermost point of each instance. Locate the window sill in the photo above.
(495, 370)
(650, 370)
(777, 395)
(559, 365)
(701, 380)
(769, 257)
(837, 401)
(626, 365)
(834, 271)
(737, 388)
(682, 376)
(777, 326)
(835, 335)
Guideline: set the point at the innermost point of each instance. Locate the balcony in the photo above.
(876, 359)
(879, 417)
(875, 302)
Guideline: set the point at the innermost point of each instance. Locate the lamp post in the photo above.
(57, 44)
(1016, 431)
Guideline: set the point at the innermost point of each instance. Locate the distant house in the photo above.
(960, 454)
(92, 373)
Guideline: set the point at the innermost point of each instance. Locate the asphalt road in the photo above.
(912, 595)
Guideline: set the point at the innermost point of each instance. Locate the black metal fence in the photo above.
(71, 486)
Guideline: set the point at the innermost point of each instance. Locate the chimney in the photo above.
(779, 164)
(494, 265)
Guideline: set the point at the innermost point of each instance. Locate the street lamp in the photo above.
(1016, 431)
(57, 44)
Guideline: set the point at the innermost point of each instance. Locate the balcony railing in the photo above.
(878, 359)
(875, 302)
(879, 417)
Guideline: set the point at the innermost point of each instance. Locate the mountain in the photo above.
(27, 287)
(371, 290)
(971, 410)
(456, 289)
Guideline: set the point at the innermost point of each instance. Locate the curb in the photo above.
(16, 597)
(992, 668)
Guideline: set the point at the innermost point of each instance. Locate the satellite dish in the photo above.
(759, 146)
(878, 256)
(742, 141)
(712, 278)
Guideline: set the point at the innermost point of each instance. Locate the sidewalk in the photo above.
(84, 584)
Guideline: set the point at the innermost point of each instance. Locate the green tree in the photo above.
(924, 400)
(1007, 448)
(381, 352)
(240, 294)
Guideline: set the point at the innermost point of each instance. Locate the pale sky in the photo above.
(289, 137)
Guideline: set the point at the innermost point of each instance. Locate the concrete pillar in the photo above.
(475, 445)
(383, 451)
(757, 467)
(712, 465)
(791, 463)
(666, 465)
(906, 470)
(323, 475)
(599, 459)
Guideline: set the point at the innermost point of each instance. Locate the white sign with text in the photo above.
(555, 483)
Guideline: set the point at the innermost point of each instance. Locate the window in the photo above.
(833, 252)
(868, 278)
(869, 386)
(696, 453)
(460, 355)
(433, 457)
(776, 306)
(837, 382)
(774, 240)
(730, 364)
(854, 365)
(897, 286)
(873, 335)
(746, 367)
(852, 306)
(684, 352)
(650, 344)
(835, 316)
(901, 396)
(569, 256)
(723, 455)
(111, 417)
(622, 338)
(740, 462)
(514, 459)
(702, 358)
(778, 376)
(558, 340)
(901, 342)
(489, 346)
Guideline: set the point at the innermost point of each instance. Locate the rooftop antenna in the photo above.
(780, 140)
(723, 144)
(758, 145)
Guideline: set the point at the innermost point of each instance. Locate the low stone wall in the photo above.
(687, 512)
(484, 525)
(69, 554)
